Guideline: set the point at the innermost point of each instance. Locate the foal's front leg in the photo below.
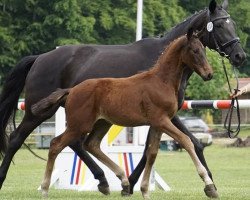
(186, 143)
(197, 145)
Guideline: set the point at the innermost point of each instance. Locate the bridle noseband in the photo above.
(220, 47)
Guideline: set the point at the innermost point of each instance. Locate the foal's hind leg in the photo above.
(98, 173)
(185, 142)
(134, 177)
(92, 145)
(57, 144)
(153, 141)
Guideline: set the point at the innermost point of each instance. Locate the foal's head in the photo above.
(194, 56)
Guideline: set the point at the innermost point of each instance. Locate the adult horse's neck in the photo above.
(197, 21)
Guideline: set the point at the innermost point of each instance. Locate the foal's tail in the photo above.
(11, 91)
(54, 100)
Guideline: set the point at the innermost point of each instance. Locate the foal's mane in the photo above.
(171, 50)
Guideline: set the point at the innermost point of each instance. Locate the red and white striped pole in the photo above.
(213, 104)
(194, 104)
(21, 105)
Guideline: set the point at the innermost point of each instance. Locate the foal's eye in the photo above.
(195, 50)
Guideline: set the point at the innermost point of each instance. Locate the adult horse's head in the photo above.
(194, 56)
(220, 33)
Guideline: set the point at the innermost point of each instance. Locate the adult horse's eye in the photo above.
(218, 25)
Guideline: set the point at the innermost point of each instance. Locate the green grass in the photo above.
(244, 132)
(230, 168)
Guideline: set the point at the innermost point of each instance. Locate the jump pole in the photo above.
(214, 104)
(194, 104)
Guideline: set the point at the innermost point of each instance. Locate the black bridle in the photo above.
(218, 46)
(221, 50)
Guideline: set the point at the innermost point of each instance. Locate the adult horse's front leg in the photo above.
(168, 127)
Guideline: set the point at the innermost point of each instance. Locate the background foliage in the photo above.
(35, 26)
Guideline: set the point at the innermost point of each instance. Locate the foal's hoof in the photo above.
(44, 194)
(125, 190)
(104, 189)
(210, 191)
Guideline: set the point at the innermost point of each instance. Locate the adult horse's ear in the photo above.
(225, 4)
(212, 6)
(190, 33)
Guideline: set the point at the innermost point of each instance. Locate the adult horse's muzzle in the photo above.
(237, 57)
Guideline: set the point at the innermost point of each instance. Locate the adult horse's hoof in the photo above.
(125, 190)
(104, 189)
(131, 188)
(210, 191)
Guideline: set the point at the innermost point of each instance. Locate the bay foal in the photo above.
(148, 98)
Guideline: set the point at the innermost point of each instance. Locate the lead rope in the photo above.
(228, 120)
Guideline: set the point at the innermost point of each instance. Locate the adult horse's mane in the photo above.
(179, 27)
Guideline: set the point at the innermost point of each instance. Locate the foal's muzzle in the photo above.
(208, 77)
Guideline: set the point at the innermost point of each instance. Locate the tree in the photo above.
(34, 27)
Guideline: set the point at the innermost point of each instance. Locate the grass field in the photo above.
(230, 168)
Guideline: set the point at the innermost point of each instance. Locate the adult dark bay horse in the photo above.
(148, 98)
(68, 65)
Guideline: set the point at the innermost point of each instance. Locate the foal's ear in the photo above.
(190, 33)
(200, 33)
(212, 6)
